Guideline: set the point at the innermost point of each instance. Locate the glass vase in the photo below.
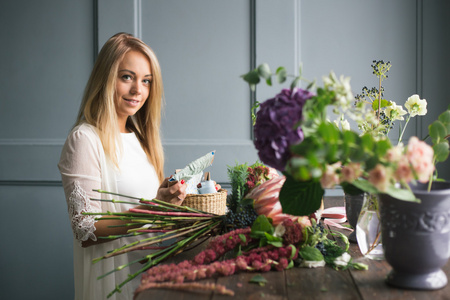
(368, 229)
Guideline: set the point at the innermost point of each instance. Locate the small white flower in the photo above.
(341, 86)
(342, 261)
(416, 106)
(279, 230)
(312, 263)
(395, 112)
(345, 125)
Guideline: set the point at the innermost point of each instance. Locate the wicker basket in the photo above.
(215, 203)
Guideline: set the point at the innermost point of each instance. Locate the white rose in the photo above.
(342, 261)
(312, 263)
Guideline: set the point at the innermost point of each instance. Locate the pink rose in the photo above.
(379, 177)
(351, 172)
(403, 172)
(424, 170)
(394, 154)
(330, 178)
(420, 155)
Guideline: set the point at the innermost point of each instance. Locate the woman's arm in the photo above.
(172, 192)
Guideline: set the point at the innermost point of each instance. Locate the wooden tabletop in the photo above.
(302, 283)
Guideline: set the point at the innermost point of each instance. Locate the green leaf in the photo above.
(401, 194)
(384, 103)
(300, 198)
(311, 254)
(445, 117)
(258, 279)
(364, 185)
(242, 237)
(290, 265)
(311, 85)
(441, 151)
(262, 225)
(273, 240)
(251, 77)
(295, 82)
(264, 71)
(281, 74)
(350, 189)
(382, 146)
(293, 251)
(437, 131)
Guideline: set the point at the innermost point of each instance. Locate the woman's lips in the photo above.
(132, 102)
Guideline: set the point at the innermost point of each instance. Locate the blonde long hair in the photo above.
(98, 108)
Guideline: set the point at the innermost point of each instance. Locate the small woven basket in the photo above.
(215, 203)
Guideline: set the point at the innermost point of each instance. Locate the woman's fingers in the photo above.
(172, 191)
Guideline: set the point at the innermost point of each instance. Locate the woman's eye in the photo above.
(147, 81)
(126, 77)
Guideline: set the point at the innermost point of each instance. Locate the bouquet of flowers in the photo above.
(294, 134)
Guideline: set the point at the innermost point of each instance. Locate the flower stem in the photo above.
(144, 201)
(154, 240)
(169, 251)
(404, 127)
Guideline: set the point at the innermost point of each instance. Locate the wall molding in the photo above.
(419, 60)
(167, 142)
(137, 8)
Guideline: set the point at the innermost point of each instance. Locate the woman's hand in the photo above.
(172, 191)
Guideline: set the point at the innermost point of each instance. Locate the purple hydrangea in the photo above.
(275, 127)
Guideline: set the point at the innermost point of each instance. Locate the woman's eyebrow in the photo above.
(126, 70)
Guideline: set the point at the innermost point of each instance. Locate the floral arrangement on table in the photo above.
(256, 233)
(295, 134)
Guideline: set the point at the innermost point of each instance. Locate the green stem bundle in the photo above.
(182, 224)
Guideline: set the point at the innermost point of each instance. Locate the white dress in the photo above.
(84, 167)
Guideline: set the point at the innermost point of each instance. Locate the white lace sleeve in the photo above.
(83, 226)
(81, 174)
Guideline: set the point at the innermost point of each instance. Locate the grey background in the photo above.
(47, 50)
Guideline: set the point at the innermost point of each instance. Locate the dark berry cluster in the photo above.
(242, 219)
(380, 68)
(367, 93)
(387, 122)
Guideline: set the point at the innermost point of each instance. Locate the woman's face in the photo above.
(132, 85)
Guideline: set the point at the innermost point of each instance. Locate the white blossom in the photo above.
(279, 230)
(342, 261)
(395, 112)
(312, 263)
(345, 125)
(416, 106)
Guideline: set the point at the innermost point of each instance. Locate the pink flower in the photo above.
(420, 155)
(379, 177)
(282, 264)
(266, 201)
(394, 154)
(351, 172)
(241, 263)
(330, 178)
(272, 173)
(403, 172)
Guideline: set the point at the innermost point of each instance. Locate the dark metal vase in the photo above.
(353, 205)
(416, 237)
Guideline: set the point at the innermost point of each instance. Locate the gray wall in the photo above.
(48, 48)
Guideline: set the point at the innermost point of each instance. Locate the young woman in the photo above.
(114, 146)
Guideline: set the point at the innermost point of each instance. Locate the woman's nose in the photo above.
(136, 88)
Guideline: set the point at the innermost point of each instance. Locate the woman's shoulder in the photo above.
(84, 129)
(84, 133)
